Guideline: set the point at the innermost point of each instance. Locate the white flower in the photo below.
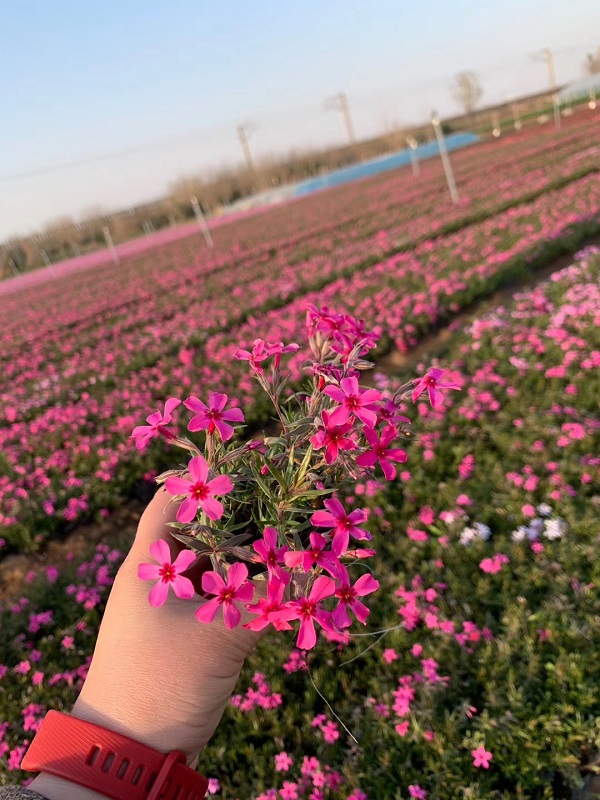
(467, 536)
(520, 534)
(555, 528)
(544, 510)
(483, 531)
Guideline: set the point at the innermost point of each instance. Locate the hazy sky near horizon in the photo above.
(105, 103)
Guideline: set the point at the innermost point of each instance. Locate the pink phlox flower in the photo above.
(333, 438)
(283, 762)
(262, 350)
(213, 786)
(289, 791)
(416, 792)
(402, 728)
(354, 402)
(380, 451)
(156, 426)
(481, 757)
(389, 655)
(389, 412)
(258, 353)
(310, 765)
(167, 573)
(432, 384)
(237, 590)
(348, 598)
(494, 564)
(309, 611)
(214, 416)
(269, 553)
(343, 525)
(198, 492)
(330, 731)
(268, 608)
(315, 555)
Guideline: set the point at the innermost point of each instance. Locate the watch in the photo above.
(110, 763)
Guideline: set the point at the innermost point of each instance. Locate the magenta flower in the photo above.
(333, 438)
(416, 792)
(316, 555)
(269, 609)
(156, 426)
(167, 573)
(283, 762)
(381, 451)
(261, 350)
(355, 402)
(431, 384)
(237, 590)
(308, 611)
(348, 595)
(389, 412)
(494, 564)
(270, 554)
(198, 492)
(214, 416)
(343, 525)
(481, 757)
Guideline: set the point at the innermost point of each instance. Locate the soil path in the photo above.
(121, 525)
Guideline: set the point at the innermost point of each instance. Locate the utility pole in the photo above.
(339, 102)
(201, 221)
(110, 244)
(242, 132)
(439, 135)
(548, 57)
(414, 161)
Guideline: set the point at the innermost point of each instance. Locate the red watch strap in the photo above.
(109, 763)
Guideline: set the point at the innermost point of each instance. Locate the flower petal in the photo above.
(148, 572)
(158, 594)
(184, 561)
(208, 611)
(187, 510)
(175, 485)
(237, 574)
(194, 404)
(212, 508)
(231, 615)
(183, 587)
(220, 485)
(198, 469)
(212, 583)
(160, 551)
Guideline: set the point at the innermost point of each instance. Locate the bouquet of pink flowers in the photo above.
(267, 510)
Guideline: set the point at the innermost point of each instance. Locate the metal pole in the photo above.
(556, 103)
(110, 244)
(347, 118)
(414, 161)
(592, 103)
(516, 119)
(201, 221)
(47, 262)
(13, 266)
(439, 135)
(243, 137)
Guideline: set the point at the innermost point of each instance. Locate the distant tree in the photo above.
(467, 90)
(591, 65)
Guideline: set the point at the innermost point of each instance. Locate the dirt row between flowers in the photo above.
(119, 528)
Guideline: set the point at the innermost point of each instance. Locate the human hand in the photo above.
(158, 675)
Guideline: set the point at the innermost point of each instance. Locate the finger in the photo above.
(154, 521)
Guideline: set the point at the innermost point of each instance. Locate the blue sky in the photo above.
(147, 92)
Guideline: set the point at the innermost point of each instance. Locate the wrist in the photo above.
(55, 788)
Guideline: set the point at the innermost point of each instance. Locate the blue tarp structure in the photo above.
(382, 164)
